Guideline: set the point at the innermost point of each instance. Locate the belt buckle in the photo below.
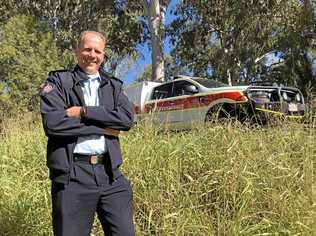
(94, 160)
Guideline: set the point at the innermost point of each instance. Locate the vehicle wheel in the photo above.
(221, 113)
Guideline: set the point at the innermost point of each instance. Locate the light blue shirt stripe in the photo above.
(92, 144)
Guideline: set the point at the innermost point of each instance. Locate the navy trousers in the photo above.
(92, 190)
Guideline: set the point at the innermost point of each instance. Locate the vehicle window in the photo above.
(162, 91)
(209, 83)
(180, 88)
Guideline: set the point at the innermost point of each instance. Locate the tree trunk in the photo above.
(156, 17)
(229, 77)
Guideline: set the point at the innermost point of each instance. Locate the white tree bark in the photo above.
(156, 18)
(229, 77)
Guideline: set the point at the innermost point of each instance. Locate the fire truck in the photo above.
(186, 100)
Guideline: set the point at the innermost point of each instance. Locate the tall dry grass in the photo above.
(210, 180)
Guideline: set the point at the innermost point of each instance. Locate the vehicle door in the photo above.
(187, 101)
(159, 107)
(175, 102)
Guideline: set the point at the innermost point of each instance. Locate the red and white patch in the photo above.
(48, 88)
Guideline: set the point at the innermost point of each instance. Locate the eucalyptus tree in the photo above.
(26, 55)
(35, 34)
(296, 41)
(155, 11)
(67, 18)
(125, 23)
(151, 15)
(226, 36)
(300, 46)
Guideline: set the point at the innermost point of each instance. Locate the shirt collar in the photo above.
(81, 76)
(94, 77)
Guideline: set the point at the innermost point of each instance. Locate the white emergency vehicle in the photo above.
(191, 99)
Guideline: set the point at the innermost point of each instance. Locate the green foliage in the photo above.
(211, 38)
(212, 180)
(228, 36)
(118, 20)
(26, 56)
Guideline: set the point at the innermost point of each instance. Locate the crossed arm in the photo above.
(76, 111)
(62, 121)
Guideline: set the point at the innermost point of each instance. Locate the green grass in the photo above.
(212, 180)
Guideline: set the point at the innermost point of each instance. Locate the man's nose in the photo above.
(92, 53)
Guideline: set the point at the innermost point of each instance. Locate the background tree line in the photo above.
(221, 39)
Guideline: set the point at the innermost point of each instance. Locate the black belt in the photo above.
(91, 159)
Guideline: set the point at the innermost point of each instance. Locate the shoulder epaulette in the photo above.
(54, 72)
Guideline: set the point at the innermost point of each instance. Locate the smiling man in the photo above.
(83, 112)
(90, 52)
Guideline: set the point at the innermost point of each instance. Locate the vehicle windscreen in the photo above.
(210, 83)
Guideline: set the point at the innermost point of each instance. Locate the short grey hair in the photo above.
(84, 33)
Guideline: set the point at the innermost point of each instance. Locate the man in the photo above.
(83, 112)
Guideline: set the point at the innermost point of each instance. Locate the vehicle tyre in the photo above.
(221, 113)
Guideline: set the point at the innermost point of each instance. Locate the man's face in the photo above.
(90, 53)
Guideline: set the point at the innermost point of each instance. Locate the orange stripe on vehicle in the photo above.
(193, 102)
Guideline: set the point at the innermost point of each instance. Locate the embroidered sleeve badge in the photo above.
(47, 88)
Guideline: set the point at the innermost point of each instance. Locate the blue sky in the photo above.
(144, 51)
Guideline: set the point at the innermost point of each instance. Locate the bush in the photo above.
(26, 56)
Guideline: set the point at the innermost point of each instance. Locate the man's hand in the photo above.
(73, 112)
(112, 132)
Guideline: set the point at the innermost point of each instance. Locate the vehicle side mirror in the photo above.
(191, 89)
